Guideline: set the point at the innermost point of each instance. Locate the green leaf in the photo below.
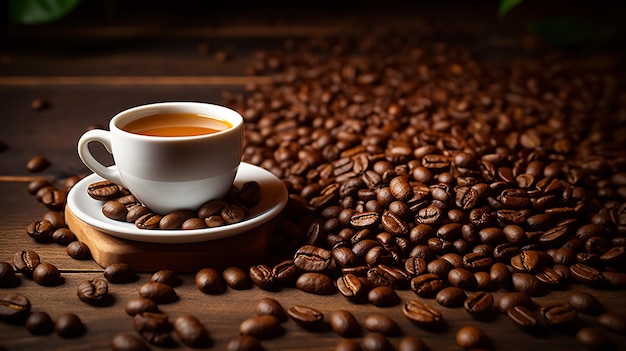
(40, 11)
(506, 6)
(568, 31)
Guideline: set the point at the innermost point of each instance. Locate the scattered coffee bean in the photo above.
(7, 275)
(261, 327)
(13, 306)
(593, 338)
(69, 325)
(306, 317)
(120, 273)
(524, 318)
(613, 322)
(63, 236)
(158, 292)
(451, 297)
(37, 164)
(558, 314)
(412, 343)
(421, 314)
(383, 296)
(39, 323)
(191, 331)
(47, 274)
(272, 307)
(585, 303)
(166, 276)
(41, 230)
(471, 337)
(376, 342)
(348, 345)
(383, 324)
(244, 343)
(93, 291)
(236, 278)
(511, 299)
(209, 281)
(316, 283)
(55, 218)
(155, 328)
(78, 250)
(140, 304)
(26, 261)
(478, 303)
(128, 342)
(344, 323)
(40, 104)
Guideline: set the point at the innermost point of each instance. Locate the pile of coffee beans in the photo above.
(412, 166)
(120, 205)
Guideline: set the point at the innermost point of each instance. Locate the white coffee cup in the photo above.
(168, 173)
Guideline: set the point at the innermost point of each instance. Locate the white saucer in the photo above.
(272, 201)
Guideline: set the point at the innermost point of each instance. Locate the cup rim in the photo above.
(234, 118)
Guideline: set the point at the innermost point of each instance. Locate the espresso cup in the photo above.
(170, 155)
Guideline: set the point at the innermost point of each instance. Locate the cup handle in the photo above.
(103, 137)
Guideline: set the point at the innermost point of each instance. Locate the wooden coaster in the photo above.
(240, 250)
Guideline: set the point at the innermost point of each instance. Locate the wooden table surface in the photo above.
(89, 72)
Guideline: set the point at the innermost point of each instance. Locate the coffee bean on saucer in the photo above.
(148, 221)
(115, 210)
(104, 190)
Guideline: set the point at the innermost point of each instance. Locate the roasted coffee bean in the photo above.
(39, 323)
(272, 307)
(415, 265)
(209, 281)
(7, 275)
(37, 164)
(47, 274)
(13, 306)
(307, 317)
(236, 278)
(233, 213)
(286, 272)
(613, 322)
(426, 285)
(363, 220)
(191, 331)
(412, 343)
(78, 250)
(55, 218)
(344, 323)
(128, 342)
(94, 291)
(138, 211)
(558, 314)
(41, 230)
(166, 276)
(63, 236)
(462, 278)
(511, 299)
(315, 283)
(115, 210)
(528, 283)
(69, 325)
(381, 323)
(524, 319)
(175, 220)
(54, 200)
(155, 328)
(263, 277)
(526, 261)
(616, 280)
(614, 256)
(344, 257)
(26, 261)
(393, 224)
(476, 261)
(471, 337)
(593, 338)
(587, 275)
(244, 343)
(148, 221)
(211, 208)
(451, 297)
(383, 296)
(120, 273)
(36, 185)
(478, 303)
(158, 292)
(311, 258)
(140, 304)
(421, 314)
(585, 303)
(104, 190)
(440, 267)
(350, 286)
